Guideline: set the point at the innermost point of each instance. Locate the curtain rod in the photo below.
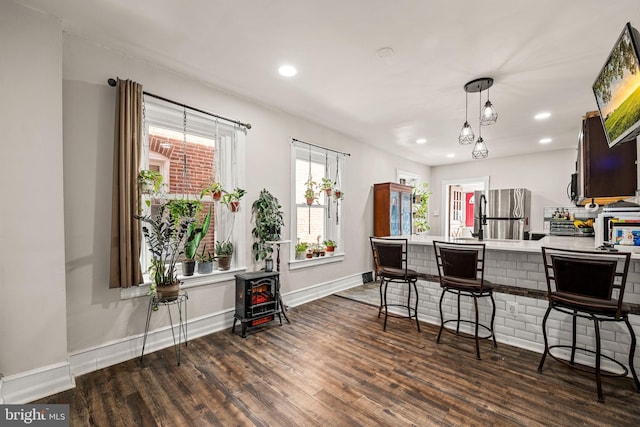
(317, 146)
(112, 83)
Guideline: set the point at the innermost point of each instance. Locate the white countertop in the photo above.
(577, 243)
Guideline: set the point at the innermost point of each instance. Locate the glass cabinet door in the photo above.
(406, 213)
(394, 217)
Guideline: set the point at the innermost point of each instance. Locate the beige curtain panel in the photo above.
(125, 230)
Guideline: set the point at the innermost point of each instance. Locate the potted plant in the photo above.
(205, 261)
(232, 199)
(310, 192)
(338, 194)
(224, 252)
(327, 186)
(330, 247)
(165, 240)
(195, 234)
(421, 207)
(214, 189)
(269, 220)
(182, 208)
(301, 249)
(150, 181)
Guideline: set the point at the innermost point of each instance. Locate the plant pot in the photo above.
(188, 267)
(224, 262)
(330, 250)
(274, 232)
(309, 255)
(205, 267)
(234, 206)
(216, 195)
(309, 201)
(300, 255)
(338, 194)
(328, 192)
(168, 293)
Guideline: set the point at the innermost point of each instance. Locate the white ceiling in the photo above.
(543, 56)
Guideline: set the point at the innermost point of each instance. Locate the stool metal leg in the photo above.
(415, 288)
(632, 352)
(573, 337)
(441, 315)
(493, 318)
(458, 323)
(475, 304)
(386, 309)
(596, 326)
(546, 340)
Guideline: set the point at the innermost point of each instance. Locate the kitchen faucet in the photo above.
(482, 217)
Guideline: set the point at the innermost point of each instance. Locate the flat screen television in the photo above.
(617, 89)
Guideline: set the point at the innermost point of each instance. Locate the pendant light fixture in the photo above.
(466, 133)
(487, 116)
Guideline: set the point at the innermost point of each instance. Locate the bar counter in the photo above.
(515, 269)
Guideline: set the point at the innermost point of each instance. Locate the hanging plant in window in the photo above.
(338, 194)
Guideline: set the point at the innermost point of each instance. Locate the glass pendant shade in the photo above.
(466, 134)
(480, 150)
(488, 115)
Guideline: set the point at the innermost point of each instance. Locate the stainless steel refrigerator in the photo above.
(506, 212)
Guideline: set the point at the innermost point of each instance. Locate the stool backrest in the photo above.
(460, 261)
(389, 253)
(591, 274)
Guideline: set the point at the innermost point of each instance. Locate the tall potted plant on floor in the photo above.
(165, 240)
(268, 222)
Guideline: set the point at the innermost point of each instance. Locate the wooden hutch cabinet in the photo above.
(392, 209)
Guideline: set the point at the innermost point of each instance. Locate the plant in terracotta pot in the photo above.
(165, 240)
(195, 234)
(232, 199)
(269, 220)
(330, 247)
(327, 186)
(338, 194)
(224, 252)
(310, 193)
(214, 189)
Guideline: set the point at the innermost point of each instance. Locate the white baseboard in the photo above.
(321, 290)
(32, 385)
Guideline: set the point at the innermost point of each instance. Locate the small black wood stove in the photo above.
(257, 299)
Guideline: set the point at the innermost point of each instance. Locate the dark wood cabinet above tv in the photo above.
(605, 172)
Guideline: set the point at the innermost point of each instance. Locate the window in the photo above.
(191, 149)
(320, 218)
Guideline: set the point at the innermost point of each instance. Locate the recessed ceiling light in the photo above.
(542, 116)
(451, 155)
(421, 141)
(545, 140)
(287, 70)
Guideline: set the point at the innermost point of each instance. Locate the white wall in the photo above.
(32, 274)
(97, 314)
(545, 174)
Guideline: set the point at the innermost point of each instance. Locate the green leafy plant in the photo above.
(150, 181)
(310, 192)
(327, 185)
(224, 248)
(195, 234)
(330, 244)
(421, 207)
(214, 189)
(232, 199)
(301, 247)
(205, 255)
(181, 208)
(164, 237)
(269, 220)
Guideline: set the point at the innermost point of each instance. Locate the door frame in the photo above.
(446, 185)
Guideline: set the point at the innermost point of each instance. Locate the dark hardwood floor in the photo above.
(334, 366)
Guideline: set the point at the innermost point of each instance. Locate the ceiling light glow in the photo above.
(421, 141)
(451, 155)
(287, 70)
(542, 116)
(545, 140)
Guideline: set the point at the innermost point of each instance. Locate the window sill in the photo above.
(296, 264)
(187, 282)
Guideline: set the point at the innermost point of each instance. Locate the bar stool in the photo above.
(461, 272)
(390, 256)
(582, 284)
